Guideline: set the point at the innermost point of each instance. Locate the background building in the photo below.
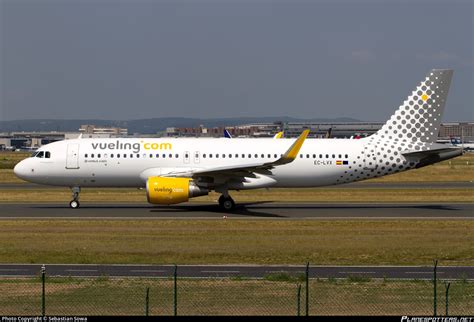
(33, 140)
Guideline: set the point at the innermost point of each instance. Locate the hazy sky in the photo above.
(136, 59)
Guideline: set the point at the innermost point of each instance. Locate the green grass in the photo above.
(229, 297)
(9, 159)
(238, 241)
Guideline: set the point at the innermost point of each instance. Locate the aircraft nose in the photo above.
(20, 170)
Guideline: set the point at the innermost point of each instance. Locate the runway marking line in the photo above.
(220, 271)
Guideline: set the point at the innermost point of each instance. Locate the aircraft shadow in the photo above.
(241, 209)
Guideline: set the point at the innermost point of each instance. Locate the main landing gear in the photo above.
(74, 204)
(226, 203)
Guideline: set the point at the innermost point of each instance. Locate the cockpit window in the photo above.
(34, 154)
(40, 154)
(47, 154)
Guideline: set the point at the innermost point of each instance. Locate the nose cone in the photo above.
(21, 170)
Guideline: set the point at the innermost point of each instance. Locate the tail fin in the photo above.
(418, 119)
(227, 134)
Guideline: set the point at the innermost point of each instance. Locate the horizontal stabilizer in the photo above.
(427, 157)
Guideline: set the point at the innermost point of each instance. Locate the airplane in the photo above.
(175, 170)
(468, 146)
(279, 135)
(227, 134)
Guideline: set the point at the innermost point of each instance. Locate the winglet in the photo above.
(279, 135)
(292, 152)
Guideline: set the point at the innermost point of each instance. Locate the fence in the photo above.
(276, 294)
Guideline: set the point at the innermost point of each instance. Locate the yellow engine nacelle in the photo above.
(168, 191)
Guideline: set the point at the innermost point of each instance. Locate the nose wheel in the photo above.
(226, 203)
(74, 204)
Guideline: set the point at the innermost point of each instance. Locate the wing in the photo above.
(247, 168)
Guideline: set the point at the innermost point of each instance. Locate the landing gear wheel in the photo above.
(221, 200)
(227, 203)
(74, 204)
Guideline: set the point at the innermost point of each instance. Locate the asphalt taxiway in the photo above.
(272, 210)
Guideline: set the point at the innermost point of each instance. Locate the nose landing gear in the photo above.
(74, 204)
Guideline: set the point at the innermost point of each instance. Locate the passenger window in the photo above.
(186, 155)
(164, 155)
(204, 155)
(85, 155)
(92, 155)
(327, 156)
(320, 156)
(98, 155)
(151, 155)
(262, 155)
(124, 155)
(333, 156)
(243, 155)
(256, 155)
(138, 156)
(157, 155)
(112, 155)
(307, 156)
(170, 155)
(131, 156)
(346, 156)
(274, 155)
(210, 155)
(230, 155)
(176, 155)
(340, 156)
(250, 156)
(301, 156)
(314, 156)
(236, 155)
(118, 155)
(223, 155)
(269, 156)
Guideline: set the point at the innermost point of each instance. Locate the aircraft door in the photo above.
(196, 156)
(72, 157)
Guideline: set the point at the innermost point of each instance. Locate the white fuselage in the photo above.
(124, 162)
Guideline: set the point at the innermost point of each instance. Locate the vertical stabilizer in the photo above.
(419, 117)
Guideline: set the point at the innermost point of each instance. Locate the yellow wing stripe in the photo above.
(279, 135)
(295, 148)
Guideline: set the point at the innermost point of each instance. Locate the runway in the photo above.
(209, 271)
(261, 210)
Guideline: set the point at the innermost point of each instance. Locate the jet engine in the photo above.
(167, 191)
